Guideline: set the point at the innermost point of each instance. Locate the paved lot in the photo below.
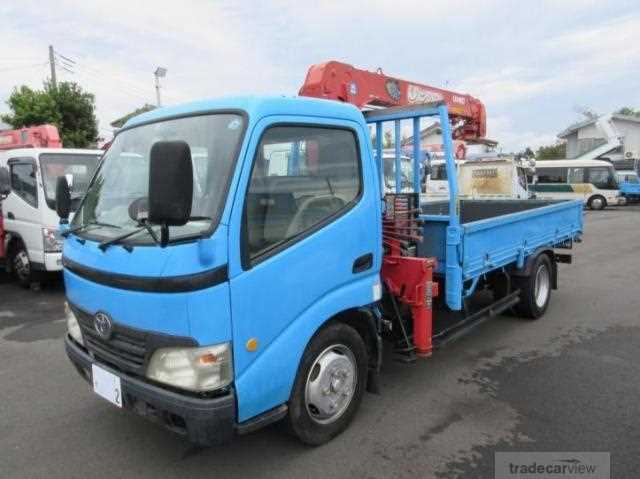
(568, 382)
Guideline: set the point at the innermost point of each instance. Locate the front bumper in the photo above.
(52, 261)
(205, 422)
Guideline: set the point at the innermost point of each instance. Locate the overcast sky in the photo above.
(531, 62)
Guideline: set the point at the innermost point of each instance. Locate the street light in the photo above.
(159, 73)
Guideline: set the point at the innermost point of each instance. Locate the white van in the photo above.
(32, 241)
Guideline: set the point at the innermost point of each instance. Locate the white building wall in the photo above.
(630, 132)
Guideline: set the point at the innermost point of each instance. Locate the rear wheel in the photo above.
(597, 202)
(21, 266)
(329, 385)
(535, 289)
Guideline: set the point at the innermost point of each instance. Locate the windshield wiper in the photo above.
(142, 227)
(87, 225)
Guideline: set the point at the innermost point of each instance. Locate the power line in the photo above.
(23, 67)
(19, 60)
(106, 82)
(74, 65)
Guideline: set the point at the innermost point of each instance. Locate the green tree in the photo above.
(557, 151)
(31, 107)
(68, 107)
(629, 111)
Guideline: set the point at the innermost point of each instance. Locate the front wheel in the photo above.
(21, 266)
(329, 385)
(535, 289)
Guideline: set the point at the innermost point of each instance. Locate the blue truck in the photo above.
(223, 270)
(629, 185)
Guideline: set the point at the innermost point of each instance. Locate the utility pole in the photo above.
(52, 64)
(159, 73)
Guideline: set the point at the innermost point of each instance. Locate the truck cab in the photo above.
(278, 242)
(32, 243)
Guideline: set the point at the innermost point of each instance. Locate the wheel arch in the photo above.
(13, 240)
(366, 321)
(527, 269)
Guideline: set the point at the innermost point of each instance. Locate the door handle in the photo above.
(362, 263)
(11, 216)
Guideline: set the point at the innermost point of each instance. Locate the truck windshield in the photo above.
(123, 177)
(78, 168)
(439, 172)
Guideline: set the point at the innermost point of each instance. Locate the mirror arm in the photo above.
(164, 235)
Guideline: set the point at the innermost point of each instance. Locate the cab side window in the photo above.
(23, 182)
(302, 177)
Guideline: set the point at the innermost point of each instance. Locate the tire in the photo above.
(535, 289)
(21, 266)
(329, 385)
(597, 202)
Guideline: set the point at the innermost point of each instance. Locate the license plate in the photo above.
(106, 385)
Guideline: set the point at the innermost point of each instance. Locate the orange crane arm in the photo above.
(340, 81)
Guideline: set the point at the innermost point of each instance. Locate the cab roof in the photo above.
(14, 152)
(256, 107)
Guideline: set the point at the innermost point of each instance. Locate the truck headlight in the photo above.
(73, 327)
(51, 240)
(196, 369)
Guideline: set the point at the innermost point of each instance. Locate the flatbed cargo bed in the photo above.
(492, 234)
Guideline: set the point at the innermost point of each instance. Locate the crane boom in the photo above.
(339, 81)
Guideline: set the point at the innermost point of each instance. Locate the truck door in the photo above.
(20, 209)
(309, 236)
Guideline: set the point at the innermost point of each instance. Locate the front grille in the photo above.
(127, 349)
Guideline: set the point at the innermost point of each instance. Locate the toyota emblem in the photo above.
(103, 325)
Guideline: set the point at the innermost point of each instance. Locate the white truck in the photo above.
(32, 242)
(486, 177)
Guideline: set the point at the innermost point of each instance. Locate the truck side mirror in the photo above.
(63, 199)
(5, 182)
(170, 185)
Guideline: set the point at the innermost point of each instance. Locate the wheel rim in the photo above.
(21, 264)
(542, 285)
(596, 203)
(331, 384)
